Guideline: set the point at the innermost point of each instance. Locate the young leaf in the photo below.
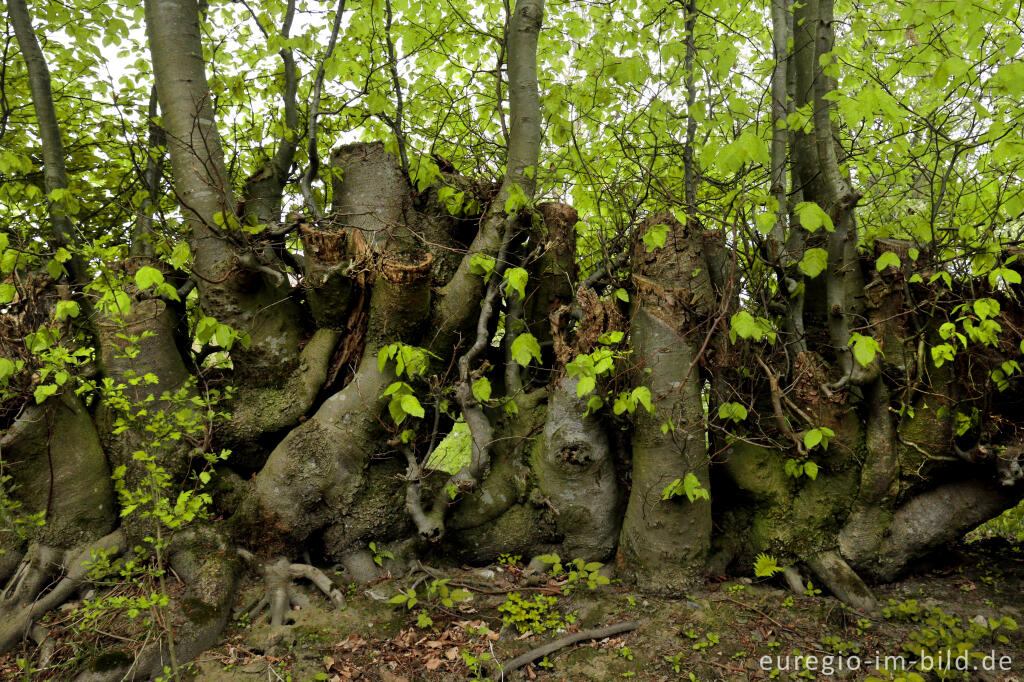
(765, 566)
(887, 260)
(481, 264)
(642, 395)
(515, 280)
(864, 348)
(655, 237)
(812, 217)
(482, 389)
(524, 348)
(147, 277)
(411, 406)
(813, 262)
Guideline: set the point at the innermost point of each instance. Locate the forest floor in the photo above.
(732, 630)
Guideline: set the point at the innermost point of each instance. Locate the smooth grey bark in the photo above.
(54, 457)
(54, 172)
(575, 471)
(780, 111)
(925, 522)
(234, 287)
(310, 174)
(522, 157)
(264, 188)
(665, 543)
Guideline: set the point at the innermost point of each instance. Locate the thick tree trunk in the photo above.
(235, 287)
(665, 542)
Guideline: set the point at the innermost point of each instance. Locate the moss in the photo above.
(523, 529)
(199, 611)
(758, 471)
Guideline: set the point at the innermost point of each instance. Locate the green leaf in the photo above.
(515, 280)
(180, 255)
(66, 309)
(812, 438)
(7, 368)
(746, 326)
(655, 237)
(44, 391)
(864, 348)
(888, 260)
(54, 268)
(621, 294)
(584, 386)
(223, 336)
(813, 262)
(733, 411)
(481, 264)
(524, 348)
(693, 489)
(7, 292)
(642, 395)
(411, 406)
(610, 338)
(147, 277)
(765, 566)
(811, 469)
(482, 389)
(942, 354)
(985, 308)
(812, 217)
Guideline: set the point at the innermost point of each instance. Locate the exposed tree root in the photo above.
(843, 581)
(924, 523)
(279, 576)
(21, 608)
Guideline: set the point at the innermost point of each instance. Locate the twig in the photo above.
(568, 640)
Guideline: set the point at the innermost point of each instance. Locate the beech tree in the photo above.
(678, 283)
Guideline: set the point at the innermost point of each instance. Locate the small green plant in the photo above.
(509, 559)
(437, 596)
(944, 639)
(675, 662)
(625, 653)
(690, 486)
(788, 601)
(837, 645)
(811, 590)
(797, 468)
(475, 664)
(710, 640)
(380, 554)
(536, 615)
(907, 611)
(737, 588)
(546, 664)
(765, 565)
(585, 573)
(578, 572)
